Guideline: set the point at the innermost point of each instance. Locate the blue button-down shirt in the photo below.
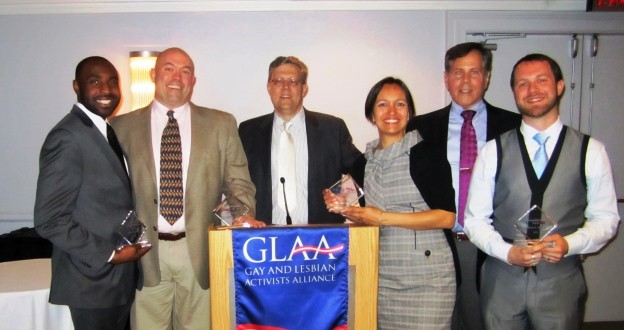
(479, 121)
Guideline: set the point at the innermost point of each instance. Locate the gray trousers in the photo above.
(467, 313)
(522, 301)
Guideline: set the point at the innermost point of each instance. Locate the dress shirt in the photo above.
(453, 145)
(601, 213)
(98, 121)
(159, 121)
(299, 214)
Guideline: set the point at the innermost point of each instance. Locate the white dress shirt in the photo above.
(298, 214)
(159, 121)
(98, 121)
(601, 213)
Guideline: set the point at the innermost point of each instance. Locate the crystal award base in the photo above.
(533, 225)
(347, 192)
(229, 209)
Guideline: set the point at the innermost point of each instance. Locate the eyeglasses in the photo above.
(281, 82)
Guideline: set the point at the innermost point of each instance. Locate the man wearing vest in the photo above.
(539, 285)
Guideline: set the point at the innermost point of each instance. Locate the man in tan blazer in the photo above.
(176, 283)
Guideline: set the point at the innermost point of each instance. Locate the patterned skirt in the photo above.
(417, 285)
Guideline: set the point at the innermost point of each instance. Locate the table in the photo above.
(24, 293)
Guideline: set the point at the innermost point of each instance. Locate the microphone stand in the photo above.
(288, 219)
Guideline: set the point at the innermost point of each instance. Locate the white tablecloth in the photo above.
(24, 292)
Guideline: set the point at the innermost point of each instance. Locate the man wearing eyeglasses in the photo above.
(316, 147)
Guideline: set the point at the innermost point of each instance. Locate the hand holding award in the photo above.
(346, 192)
(533, 226)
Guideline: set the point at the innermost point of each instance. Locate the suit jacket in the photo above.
(83, 194)
(433, 126)
(330, 153)
(217, 166)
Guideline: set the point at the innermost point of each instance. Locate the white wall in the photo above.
(346, 52)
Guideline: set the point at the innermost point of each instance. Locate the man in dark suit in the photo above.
(467, 70)
(83, 194)
(323, 150)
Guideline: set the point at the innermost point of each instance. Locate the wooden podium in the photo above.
(363, 263)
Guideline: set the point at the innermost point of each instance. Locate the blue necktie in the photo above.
(541, 158)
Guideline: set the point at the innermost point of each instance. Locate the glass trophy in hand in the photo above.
(347, 193)
(131, 231)
(533, 225)
(229, 209)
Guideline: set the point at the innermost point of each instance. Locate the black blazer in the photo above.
(433, 126)
(83, 194)
(330, 153)
(431, 174)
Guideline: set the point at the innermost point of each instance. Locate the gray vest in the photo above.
(561, 190)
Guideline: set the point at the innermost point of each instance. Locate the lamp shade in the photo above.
(141, 85)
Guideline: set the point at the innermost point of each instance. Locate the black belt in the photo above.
(171, 237)
(460, 236)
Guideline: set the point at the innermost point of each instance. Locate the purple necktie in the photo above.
(467, 157)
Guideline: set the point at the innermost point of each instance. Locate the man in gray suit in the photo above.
(83, 194)
(539, 285)
(212, 163)
(323, 148)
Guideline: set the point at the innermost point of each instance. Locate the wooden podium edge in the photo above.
(363, 257)
(221, 260)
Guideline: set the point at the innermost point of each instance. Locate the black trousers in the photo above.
(114, 318)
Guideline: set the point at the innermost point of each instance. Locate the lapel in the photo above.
(440, 128)
(443, 123)
(492, 122)
(102, 145)
(198, 143)
(143, 132)
(499, 121)
(264, 147)
(314, 136)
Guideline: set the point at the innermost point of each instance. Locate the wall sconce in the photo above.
(141, 85)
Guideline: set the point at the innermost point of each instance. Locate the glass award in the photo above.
(347, 192)
(533, 225)
(229, 209)
(131, 231)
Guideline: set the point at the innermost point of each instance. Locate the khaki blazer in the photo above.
(217, 166)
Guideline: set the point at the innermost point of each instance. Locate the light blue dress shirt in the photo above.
(479, 121)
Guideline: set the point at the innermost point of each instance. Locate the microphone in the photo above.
(288, 219)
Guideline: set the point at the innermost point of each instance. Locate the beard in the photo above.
(537, 111)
